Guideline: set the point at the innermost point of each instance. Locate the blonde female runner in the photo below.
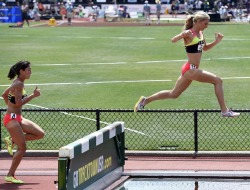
(195, 43)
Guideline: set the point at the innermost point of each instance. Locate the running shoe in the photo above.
(230, 113)
(12, 179)
(9, 145)
(140, 104)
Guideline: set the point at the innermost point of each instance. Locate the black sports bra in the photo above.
(196, 45)
(12, 97)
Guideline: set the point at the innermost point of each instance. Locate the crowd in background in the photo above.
(223, 7)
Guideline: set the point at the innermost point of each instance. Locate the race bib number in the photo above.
(200, 47)
(13, 116)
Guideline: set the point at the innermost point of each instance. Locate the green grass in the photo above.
(84, 51)
(85, 56)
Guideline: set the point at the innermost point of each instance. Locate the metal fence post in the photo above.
(196, 131)
(98, 119)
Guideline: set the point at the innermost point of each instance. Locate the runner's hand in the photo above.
(37, 92)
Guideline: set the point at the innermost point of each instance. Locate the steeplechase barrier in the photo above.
(93, 162)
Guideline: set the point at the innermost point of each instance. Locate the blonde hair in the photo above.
(192, 19)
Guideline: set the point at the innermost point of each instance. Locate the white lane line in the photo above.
(163, 61)
(225, 78)
(66, 113)
(68, 64)
(118, 37)
(47, 84)
(143, 62)
(112, 82)
(131, 81)
(140, 81)
(234, 58)
(60, 23)
(114, 63)
(184, 60)
(18, 36)
(60, 64)
(87, 83)
(235, 39)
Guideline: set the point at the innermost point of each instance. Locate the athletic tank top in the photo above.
(12, 97)
(196, 45)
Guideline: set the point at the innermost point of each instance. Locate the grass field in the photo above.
(110, 67)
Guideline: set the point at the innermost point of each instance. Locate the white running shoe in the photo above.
(140, 104)
(230, 113)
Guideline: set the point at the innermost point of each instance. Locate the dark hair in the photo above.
(15, 69)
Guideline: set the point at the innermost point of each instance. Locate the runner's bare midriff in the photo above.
(194, 58)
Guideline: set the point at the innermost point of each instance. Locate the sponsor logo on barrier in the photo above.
(91, 169)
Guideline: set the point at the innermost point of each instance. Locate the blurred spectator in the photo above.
(52, 9)
(25, 16)
(80, 11)
(63, 11)
(248, 6)
(158, 11)
(206, 6)
(177, 7)
(232, 11)
(70, 11)
(146, 11)
(198, 4)
(36, 14)
(173, 9)
(2, 4)
(40, 8)
(122, 11)
(95, 12)
(186, 6)
(190, 7)
(46, 10)
(223, 13)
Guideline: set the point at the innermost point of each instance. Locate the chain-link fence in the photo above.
(182, 130)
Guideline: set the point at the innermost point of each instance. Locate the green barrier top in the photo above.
(91, 141)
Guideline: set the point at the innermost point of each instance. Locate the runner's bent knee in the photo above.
(217, 81)
(40, 134)
(22, 146)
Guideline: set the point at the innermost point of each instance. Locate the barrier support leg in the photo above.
(62, 173)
